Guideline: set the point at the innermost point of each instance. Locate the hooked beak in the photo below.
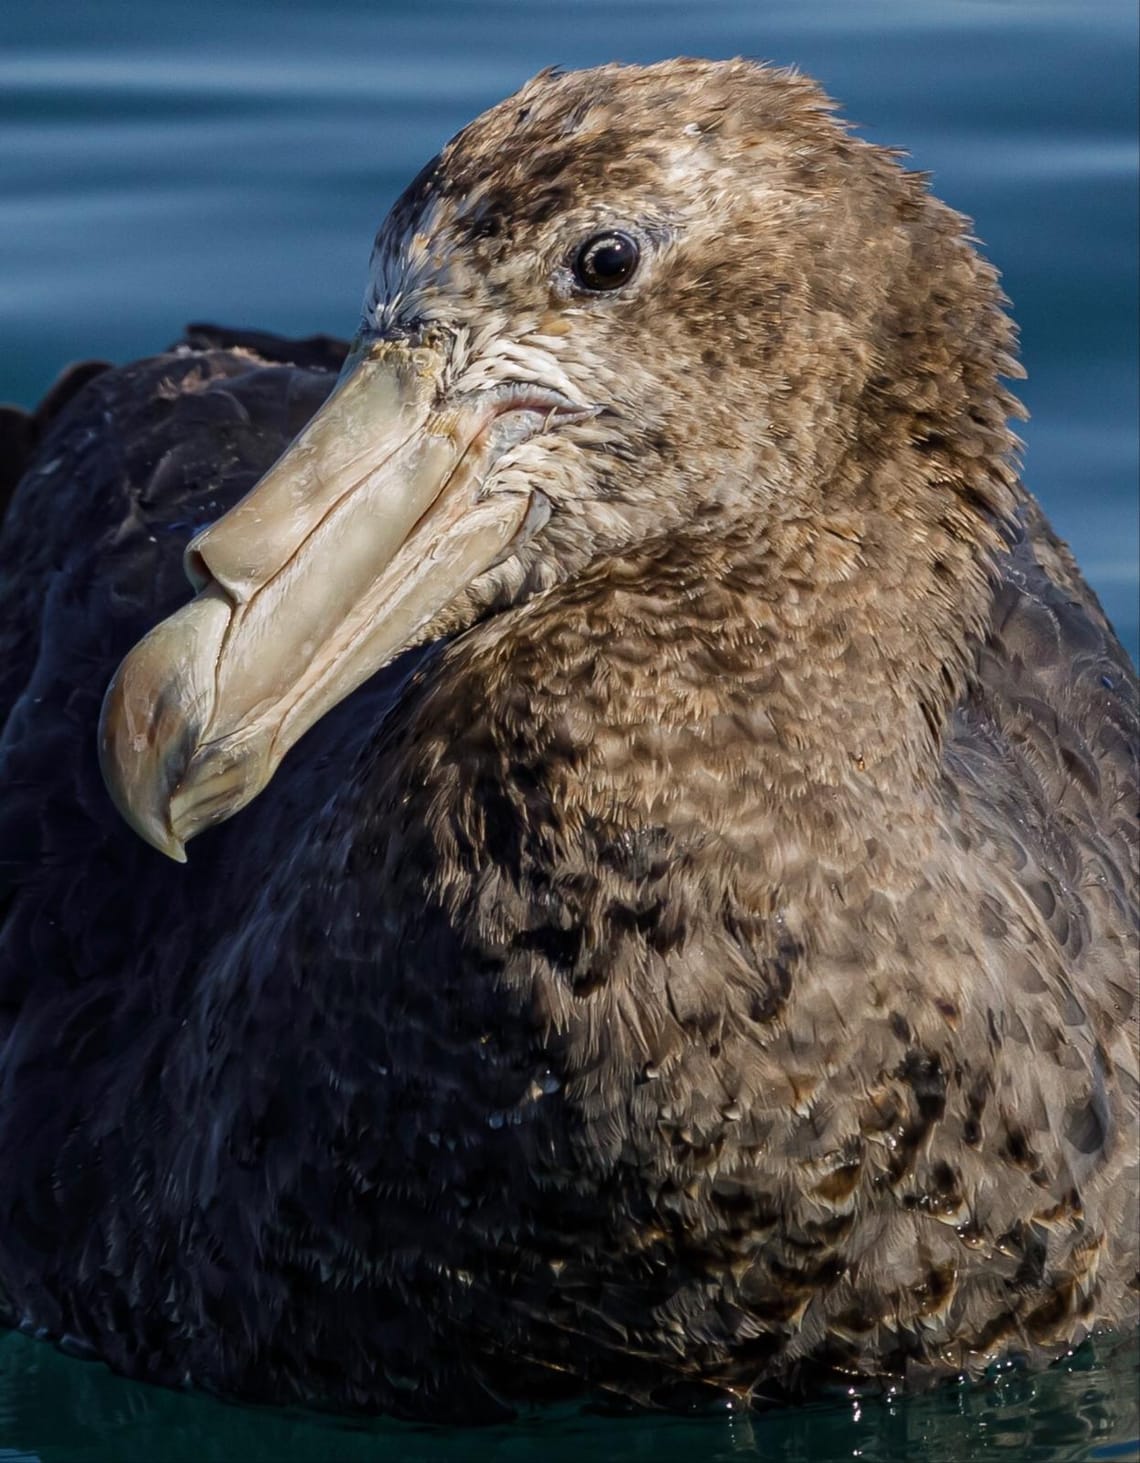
(371, 522)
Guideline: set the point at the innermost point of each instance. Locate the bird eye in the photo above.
(606, 262)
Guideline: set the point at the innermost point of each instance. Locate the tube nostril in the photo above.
(207, 566)
(196, 569)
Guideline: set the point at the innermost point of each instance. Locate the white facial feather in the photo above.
(414, 280)
(408, 269)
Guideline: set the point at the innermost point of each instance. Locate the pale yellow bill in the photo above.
(370, 523)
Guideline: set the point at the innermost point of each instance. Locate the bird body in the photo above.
(704, 962)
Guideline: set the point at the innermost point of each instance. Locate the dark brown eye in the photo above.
(606, 262)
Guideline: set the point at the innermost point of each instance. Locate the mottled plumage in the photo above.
(707, 963)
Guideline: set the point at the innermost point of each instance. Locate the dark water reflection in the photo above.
(55, 1410)
(161, 162)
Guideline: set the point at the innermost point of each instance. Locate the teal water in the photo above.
(162, 162)
(53, 1410)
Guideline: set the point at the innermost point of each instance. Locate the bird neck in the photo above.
(819, 656)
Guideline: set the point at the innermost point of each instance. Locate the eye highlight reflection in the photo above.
(607, 261)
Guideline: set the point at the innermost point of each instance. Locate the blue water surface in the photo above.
(162, 162)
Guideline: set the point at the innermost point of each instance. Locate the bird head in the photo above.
(624, 303)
